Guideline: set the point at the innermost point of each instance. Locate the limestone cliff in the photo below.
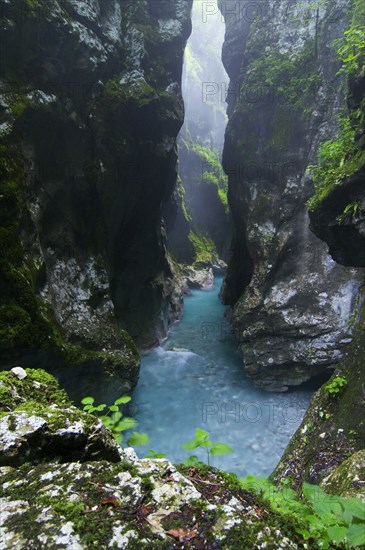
(90, 109)
(291, 303)
(333, 428)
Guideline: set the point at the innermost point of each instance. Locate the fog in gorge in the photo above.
(205, 82)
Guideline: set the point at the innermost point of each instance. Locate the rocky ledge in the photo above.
(68, 484)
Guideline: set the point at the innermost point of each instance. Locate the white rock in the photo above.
(19, 372)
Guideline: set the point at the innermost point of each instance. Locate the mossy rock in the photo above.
(135, 504)
(38, 386)
(39, 424)
(349, 478)
(333, 428)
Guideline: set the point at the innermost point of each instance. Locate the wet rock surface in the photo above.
(90, 108)
(333, 428)
(292, 305)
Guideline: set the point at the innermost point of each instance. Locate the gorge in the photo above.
(112, 212)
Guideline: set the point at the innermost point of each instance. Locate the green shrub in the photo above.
(115, 420)
(318, 517)
(202, 441)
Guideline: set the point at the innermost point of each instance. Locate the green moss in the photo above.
(343, 156)
(18, 104)
(15, 392)
(291, 77)
(205, 250)
(137, 93)
(213, 172)
(338, 160)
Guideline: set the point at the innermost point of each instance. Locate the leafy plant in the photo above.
(338, 159)
(202, 441)
(341, 157)
(154, 454)
(316, 515)
(335, 386)
(115, 420)
(350, 210)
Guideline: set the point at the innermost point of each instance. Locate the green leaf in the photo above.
(221, 449)
(154, 454)
(87, 401)
(192, 461)
(115, 417)
(126, 424)
(337, 533)
(356, 534)
(100, 408)
(201, 436)
(191, 445)
(354, 507)
(138, 439)
(114, 408)
(122, 400)
(305, 534)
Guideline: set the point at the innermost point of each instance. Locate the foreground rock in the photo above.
(67, 484)
(349, 478)
(132, 504)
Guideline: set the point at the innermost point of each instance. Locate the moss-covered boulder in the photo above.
(39, 424)
(349, 478)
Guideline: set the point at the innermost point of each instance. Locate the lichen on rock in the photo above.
(67, 484)
(349, 478)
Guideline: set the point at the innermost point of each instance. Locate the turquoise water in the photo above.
(196, 380)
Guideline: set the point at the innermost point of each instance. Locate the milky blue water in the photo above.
(196, 380)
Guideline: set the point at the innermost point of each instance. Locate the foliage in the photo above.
(351, 209)
(338, 159)
(154, 454)
(335, 386)
(202, 441)
(204, 247)
(114, 419)
(351, 48)
(289, 77)
(318, 517)
(212, 165)
(341, 157)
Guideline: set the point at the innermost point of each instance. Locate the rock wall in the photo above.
(292, 304)
(90, 109)
(327, 446)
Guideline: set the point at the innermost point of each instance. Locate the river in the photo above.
(196, 380)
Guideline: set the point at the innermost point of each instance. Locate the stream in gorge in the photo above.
(196, 380)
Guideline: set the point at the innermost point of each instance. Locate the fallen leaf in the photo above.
(182, 534)
(144, 510)
(110, 500)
